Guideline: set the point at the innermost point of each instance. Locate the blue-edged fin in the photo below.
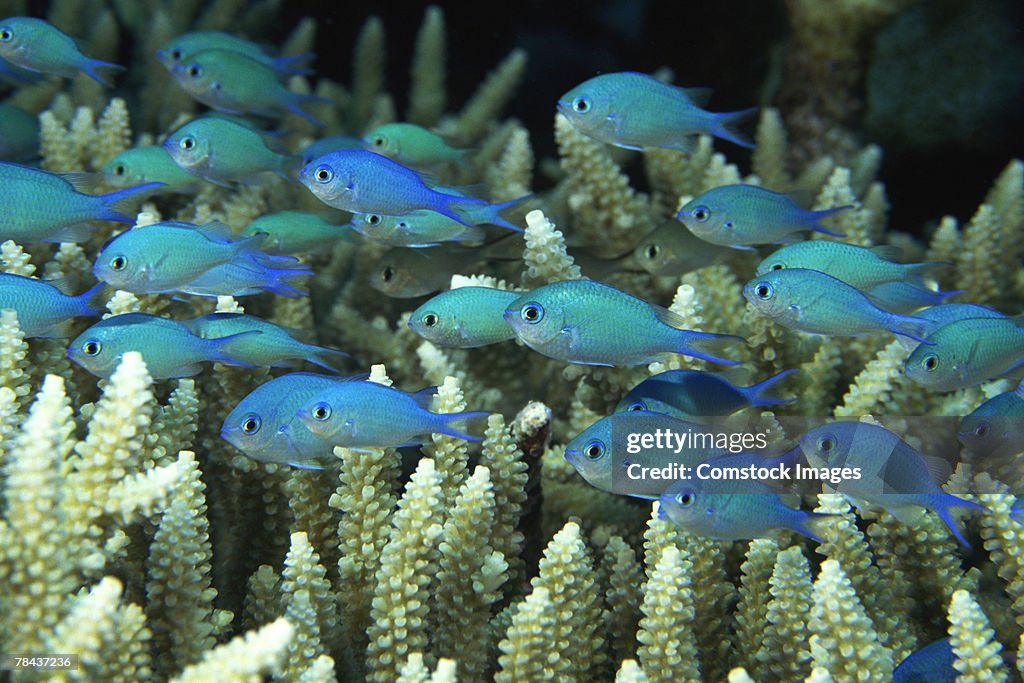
(112, 206)
(704, 345)
(943, 504)
(727, 126)
(813, 525)
(219, 348)
(90, 66)
(324, 357)
(295, 65)
(457, 424)
(917, 329)
(756, 395)
(815, 216)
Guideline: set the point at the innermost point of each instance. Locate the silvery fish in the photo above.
(274, 347)
(588, 322)
(48, 207)
(294, 232)
(147, 165)
(423, 228)
(184, 47)
(223, 152)
(465, 318)
(44, 310)
(933, 663)
(195, 259)
(689, 393)
(19, 133)
(813, 302)
(167, 346)
(735, 510)
(363, 414)
(412, 145)
(637, 111)
(741, 215)
(237, 84)
(404, 273)
(995, 429)
(673, 250)
(365, 182)
(967, 352)
(862, 267)
(40, 46)
(892, 474)
(265, 425)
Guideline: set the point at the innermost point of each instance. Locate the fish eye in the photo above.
(187, 143)
(685, 499)
(177, 54)
(251, 424)
(653, 251)
(387, 274)
(5, 35)
(532, 313)
(777, 266)
(826, 444)
(637, 405)
(764, 291)
(402, 225)
(373, 219)
(430, 319)
(982, 430)
(701, 214)
(931, 362)
(729, 225)
(92, 347)
(323, 174)
(118, 263)
(593, 450)
(194, 70)
(378, 141)
(215, 85)
(119, 169)
(321, 411)
(581, 105)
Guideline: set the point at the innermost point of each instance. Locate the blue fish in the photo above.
(184, 47)
(995, 429)
(892, 474)
(40, 46)
(933, 663)
(588, 322)
(48, 207)
(264, 425)
(43, 310)
(362, 415)
(637, 111)
(364, 182)
(688, 393)
(167, 346)
(967, 352)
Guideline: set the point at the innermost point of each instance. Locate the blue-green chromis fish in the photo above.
(184, 47)
(465, 318)
(223, 152)
(48, 207)
(947, 313)
(365, 182)
(412, 145)
(415, 230)
(296, 232)
(995, 429)
(813, 302)
(862, 267)
(148, 165)
(688, 393)
(43, 310)
(673, 250)
(741, 215)
(891, 473)
(19, 134)
(195, 259)
(363, 414)
(265, 425)
(237, 84)
(588, 322)
(967, 352)
(167, 346)
(273, 347)
(735, 510)
(933, 663)
(637, 111)
(40, 46)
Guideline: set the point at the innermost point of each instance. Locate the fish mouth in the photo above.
(573, 456)
(564, 107)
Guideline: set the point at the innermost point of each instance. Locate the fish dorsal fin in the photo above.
(939, 470)
(887, 252)
(670, 318)
(425, 397)
(63, 285)
(217, 231)
(698, 96)
(82, 182)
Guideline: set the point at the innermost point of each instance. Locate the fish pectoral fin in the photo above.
(305, 466)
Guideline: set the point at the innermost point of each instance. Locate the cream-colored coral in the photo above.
(489, 99)
(309, 605)
(783, 652)
(427, 94)
(754, 598)
(546, 258)
(668, 649)
(975, 649)
(245, 659)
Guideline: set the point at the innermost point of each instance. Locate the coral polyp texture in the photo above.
(137, 533)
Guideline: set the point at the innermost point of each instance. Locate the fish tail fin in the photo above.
(813, 525)
(277, 272)
(457, 208)
(295, 65)
(757, 396)
(114, 205)
(458, 424)
(709, 346)
(726, 126)
(93, 301)
(324, 357)
(917, 272)
(917, 329)
(494, 213)
(816, 216)
(943, 508)
(221, 350)
(90, 66)
(295, 106)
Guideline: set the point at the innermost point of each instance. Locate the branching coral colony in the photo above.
(133, 535)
